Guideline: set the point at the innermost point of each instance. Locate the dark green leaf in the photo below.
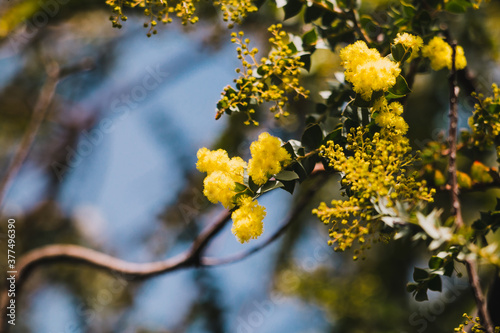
(398, 52)
(289, 186)
(312, 13)
(292, 8)
(421, 295)
(334, 136)
(401, 87)
(435, 262)
(310, 38)
(306, 59)
(270, 185)
(312, 137)
(420, 274)
(435, 283)
(327, 19)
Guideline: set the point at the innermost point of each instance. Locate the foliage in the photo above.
(357, 130)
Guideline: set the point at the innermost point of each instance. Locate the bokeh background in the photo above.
(113, 169)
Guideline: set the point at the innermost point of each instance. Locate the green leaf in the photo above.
(421, 296)
(449, 268)
(292, 8)
(328, 19)
(408, 8)
(457, 6)
(335, 136)
(310, 37)
(287, 175)
(435, 262)
(420, 274)
(289, 186)
(240, 187)
(305, 57)
(312, 13)
(270, 185)
(435, 283)
(398, 52)
(312, 137)
(401, 87)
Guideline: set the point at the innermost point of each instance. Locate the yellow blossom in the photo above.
(389, 117)
(409, 41)
(367, 70)
(439, 53)
(219, 187)
(267, 158)
(247, 219)
(217, 160)
(222, 174)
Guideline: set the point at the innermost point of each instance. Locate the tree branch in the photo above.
(81, 255)
(54, 75)
(41, 106)
(455, 201)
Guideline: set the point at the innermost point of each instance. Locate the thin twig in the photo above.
(357, 25)
(455, 201)
(41, 106)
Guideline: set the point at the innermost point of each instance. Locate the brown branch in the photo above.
(54, 75)
(452, 141)
(298, 208)
(455, 201)
(80, 255)
(41, 106)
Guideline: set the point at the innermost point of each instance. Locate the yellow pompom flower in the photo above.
(247, 219)
(439, 53)
(222, 174)
(267, 158)
(409, 41)
(219, 187)
(367, 70)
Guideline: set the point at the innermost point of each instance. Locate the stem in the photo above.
(456, 208)
(41, 106)
(452, 142)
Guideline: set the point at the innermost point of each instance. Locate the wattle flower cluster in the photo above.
(268, 157)
(388, 116)
(247, 219)
(439, 53)
(367, 70)
(224, 173)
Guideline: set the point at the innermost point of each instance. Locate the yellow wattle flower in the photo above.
(367, 70)
(409, 41)
(222, 174)
(440, 52)
(219, 187)
(247, 219)
(267, 158)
